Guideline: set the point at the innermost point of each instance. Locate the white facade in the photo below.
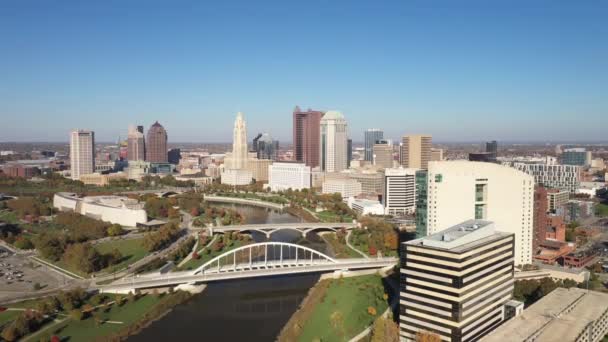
(365, 206)
(283, 176)
(237, 177)
(334, 142)
(137, 169)
(399, 191)
(344, 186)
(82, 153)
(463, 190)
(114, 209)
(564, 177)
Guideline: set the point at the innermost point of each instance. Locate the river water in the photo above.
(241, 310)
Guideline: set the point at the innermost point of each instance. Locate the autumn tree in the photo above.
(427, 336)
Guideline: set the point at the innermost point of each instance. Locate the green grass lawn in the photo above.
(601, 209)
(87, 330)
(204, 257)
(343, 311)
(328, 216)
(341, 250)
(132, 250)
(7, 316)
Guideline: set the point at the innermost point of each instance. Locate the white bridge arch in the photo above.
(264, 255)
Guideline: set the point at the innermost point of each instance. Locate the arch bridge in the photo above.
(269, 229)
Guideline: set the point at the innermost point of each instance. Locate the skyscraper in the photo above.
(492, 147)
(156, 148)
(136, 146)
(306, 129)
(82, 153)
(461, 190)
(540, 216)
(349, 152)
(383, 154)
(372, 135)
(239, 143)
(334, 142)
(416, 151)
(265, 147)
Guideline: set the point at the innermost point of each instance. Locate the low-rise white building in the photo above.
(344, 186)
(114, 209)
(365, 206)
(284, 175)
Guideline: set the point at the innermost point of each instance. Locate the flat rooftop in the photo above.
(560, 316)
(461, 237)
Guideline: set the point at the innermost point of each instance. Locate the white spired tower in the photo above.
(239, 143)
(236, 171)
(334, 142)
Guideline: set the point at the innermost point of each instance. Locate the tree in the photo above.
(23, 242)
(83, 257)
(50, 246)
(76, 315)
(427, 336)
(115, 230)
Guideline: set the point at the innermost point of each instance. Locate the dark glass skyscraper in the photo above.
(371, 136)
(156, 145)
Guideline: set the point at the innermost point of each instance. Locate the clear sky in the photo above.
(459, 70)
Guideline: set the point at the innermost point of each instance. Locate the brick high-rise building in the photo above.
(156, 147)
(540, 217)
(306, 136)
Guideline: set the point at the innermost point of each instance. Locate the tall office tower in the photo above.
(492, 147)
(156, 148)
(349, 152)
(371, 136)
(136, 145)
(416, 151)
(306, 129)
(540, 217)
(265, 147)
(383, 154)
(421, 203)
(399, 191)
(463, 190)
(174, 156)
(334, 142)
(455, 283)
(239, 143)
(82, 153)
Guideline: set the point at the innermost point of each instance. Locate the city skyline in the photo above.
(501, 71)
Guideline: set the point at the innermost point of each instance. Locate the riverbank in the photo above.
(337, 309)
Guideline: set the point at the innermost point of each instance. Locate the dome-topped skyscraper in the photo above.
(156, 144)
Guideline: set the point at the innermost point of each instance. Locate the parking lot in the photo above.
(19, 276)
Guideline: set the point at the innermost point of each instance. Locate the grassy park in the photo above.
(347, 307)
(601, 209)
(219, 247)
(132, 250)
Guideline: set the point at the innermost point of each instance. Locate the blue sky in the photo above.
(459, 70)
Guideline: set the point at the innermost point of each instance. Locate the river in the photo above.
(241, 310)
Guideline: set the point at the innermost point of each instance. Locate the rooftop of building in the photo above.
(561, 315)
(461, 237)
(111, 201)
(333, 115)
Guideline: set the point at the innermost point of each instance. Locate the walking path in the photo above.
(352, 247)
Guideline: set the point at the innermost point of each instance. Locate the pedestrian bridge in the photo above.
(251, 261)
(268, 229)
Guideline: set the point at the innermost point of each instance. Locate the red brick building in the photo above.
(306, 136)
(540, 217)
(18, 170)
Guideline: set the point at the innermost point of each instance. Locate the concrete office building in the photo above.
(334, 142)
(114, 209)
(563, 177)
(306, 136)
(259, 168)
(399, 191)
(365, 206)
(372, 135)
(576, 156)
(573, 314)
(136, 144)
(82, 153)
(463, 190)
(285, 175)
(383, 154)
(456, 283)
(416, 151)
(436, 154)
(156, 147)
(344, 186)
(556, 199)
(372, 180)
